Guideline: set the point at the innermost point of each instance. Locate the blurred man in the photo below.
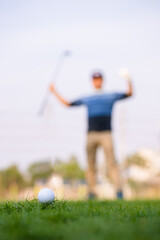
(99, 106)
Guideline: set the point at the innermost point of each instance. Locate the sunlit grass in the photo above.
(80, 220)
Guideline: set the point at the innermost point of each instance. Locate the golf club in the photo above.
(56, 73)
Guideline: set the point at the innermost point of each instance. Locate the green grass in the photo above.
(92, 220)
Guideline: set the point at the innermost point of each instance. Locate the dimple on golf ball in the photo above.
(46, 195)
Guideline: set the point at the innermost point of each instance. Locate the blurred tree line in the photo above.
(40, 171)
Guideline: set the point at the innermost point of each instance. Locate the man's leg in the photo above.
(113, 170)
(91, 157)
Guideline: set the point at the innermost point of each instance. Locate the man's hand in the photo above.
(52, 88)
(124, 73)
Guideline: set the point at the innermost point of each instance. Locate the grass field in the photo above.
(92, 220)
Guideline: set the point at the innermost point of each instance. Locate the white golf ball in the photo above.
(46, 195)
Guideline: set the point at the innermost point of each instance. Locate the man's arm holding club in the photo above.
(58, 96)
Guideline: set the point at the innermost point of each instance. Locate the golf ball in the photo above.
(46, 195)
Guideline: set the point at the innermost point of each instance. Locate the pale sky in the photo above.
(107, 35)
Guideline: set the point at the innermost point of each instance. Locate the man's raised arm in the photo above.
(130, 87)
(55, 93)
(124, 73)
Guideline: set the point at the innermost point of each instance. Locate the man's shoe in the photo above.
(91, 196)
(119, 194)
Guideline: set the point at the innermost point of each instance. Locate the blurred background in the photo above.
(50, 150)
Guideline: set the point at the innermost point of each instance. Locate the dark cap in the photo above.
(97, 75)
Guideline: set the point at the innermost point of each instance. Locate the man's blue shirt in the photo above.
(99, 108)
